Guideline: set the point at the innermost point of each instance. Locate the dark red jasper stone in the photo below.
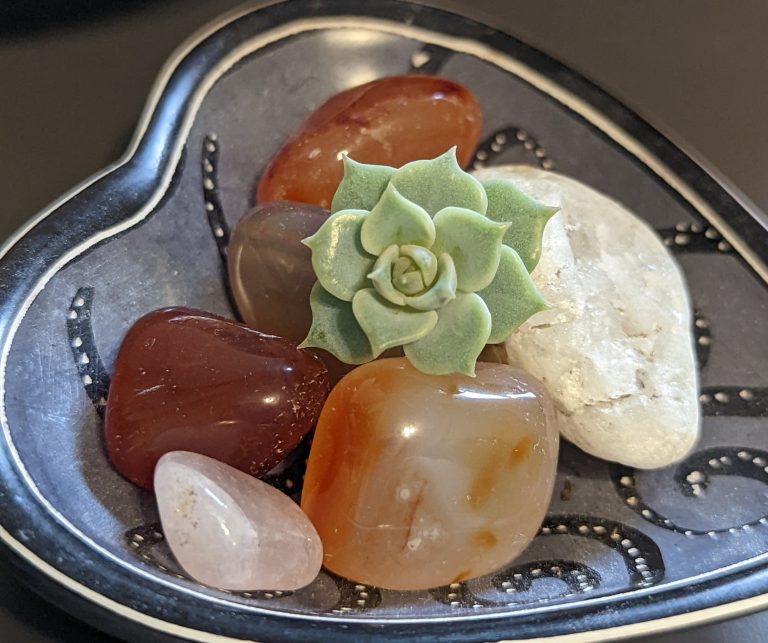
(185, 380)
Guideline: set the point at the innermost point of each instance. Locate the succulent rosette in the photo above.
(424, 257)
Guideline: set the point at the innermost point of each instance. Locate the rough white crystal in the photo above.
(616, 349)
(229, 530)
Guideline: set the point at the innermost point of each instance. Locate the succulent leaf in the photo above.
(527, 217)
(381, 276)
(462, 330)
(474, 243)
(396, 220)
(335, 329)
(362, 185)
(338, 258)
(512, 297)
(387, 325)
(441, 292)
(438, 183)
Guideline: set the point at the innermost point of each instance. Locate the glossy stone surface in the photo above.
(391, 121)
(270, 270)
(416, 481)
(229, 530)
(189, 381)
(271, 276)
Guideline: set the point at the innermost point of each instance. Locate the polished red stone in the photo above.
(185, 380)
(391, 121)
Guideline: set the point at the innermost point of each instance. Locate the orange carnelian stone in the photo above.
(416, 481)
(391, 121)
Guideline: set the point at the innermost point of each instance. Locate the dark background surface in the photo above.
(74, 76)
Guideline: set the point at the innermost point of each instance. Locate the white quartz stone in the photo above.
(616, 349)
(232, 531)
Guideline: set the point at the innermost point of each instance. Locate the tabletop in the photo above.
(74, 77)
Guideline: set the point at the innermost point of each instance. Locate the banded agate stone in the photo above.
(416, 481)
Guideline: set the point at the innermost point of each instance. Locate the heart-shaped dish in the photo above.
(621, 551)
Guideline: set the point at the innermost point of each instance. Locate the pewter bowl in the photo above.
(620, 552)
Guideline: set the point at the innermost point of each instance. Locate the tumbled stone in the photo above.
(416, 481)
(270, 270)
(616, 349)
(232, 531)
(390, 121)
(271, 275)
(185, 380)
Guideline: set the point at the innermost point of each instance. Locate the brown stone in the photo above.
(271, 275)
(270, 270)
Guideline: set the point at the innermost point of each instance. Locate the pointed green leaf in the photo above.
(425, 261)
(338, 258)
(387, 325)
(528, 218)
(395, 219)
(462, 331)
(335, 329)
(405, 274)
(381, 276)
(473, 242)
(512, 296)
(439, 183)
(409, 281)
(362, 185)
(441, 292)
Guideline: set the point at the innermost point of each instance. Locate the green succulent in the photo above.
(425, 257)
